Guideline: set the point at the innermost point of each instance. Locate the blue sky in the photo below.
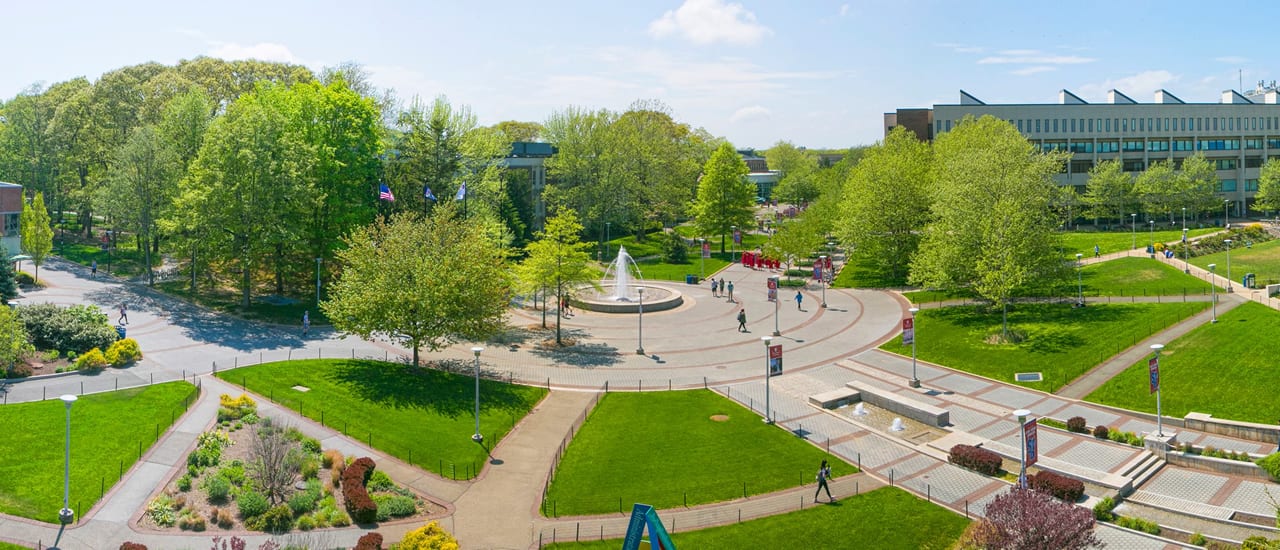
(818, 73)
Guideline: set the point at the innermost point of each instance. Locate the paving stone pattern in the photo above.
(1011, 397)
(1185, 484)
(1099, 456)
(960, 383)
(1095, 417)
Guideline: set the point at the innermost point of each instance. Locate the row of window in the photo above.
(1158, 145)
(1134, 124)
(1138, 165)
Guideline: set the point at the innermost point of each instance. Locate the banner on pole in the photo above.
(775, 360)
(737, 236)
(1153, 368)
(706, 249)
(773, 289)
(908, 330)
(1029, 436)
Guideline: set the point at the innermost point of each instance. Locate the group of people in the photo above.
(722, 287)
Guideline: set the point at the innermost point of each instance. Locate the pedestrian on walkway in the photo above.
(124, 315)
(306, 322)
(564, 306)
(799, 298)
(742, 320)
(93, 269)
(730, 291)
(715, 288)
(824, 473)
(1096, 251)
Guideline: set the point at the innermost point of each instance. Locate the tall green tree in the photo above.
(420, 281)
(36, 231)
(182, 126)
(794, 239)
(1157, 189)
(886, 202)
(519, 131)
(993, 226)
(1109, 191)
(14, 344)
(1268, 197)
(725, 197)
(557, 262)
(799, 168)
(1198, 181)
(141, 188)
(8, 278)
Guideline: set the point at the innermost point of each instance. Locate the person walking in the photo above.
(124, 315)
(1096, 251)
(730, 291)
(93, 269)
(824, 473)
(715, 288)
(799, 299)
(742, 320)
(306, 322)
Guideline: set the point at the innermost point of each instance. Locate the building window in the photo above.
(1132, 145)
(1253, 143)
(1166, 125)
(1037, 125)
(1219, 144)
(1108, 125)
(1019, 125)
(1081, 166)
(1109, 146)
(937, 123)
(1226, 186)
(1055, 125)
(1225, 164)
(10, 224)
(1158, 145)
(1081, 147)
(1073, 125)
(948, 125)
(1184, 144)
(1253, 162)
(1053, 145)
(1133, 166)
(1250, 185)
(1091, 125)
(1215, 123)
(1273, 143)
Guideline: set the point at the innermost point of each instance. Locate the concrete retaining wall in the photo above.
(905, 406)
(1265, 433)
(1220, 465)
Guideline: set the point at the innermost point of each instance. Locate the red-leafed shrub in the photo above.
(1101, 432)
(369, 541)
(1060, 486)
(354, 493)
(975, 458)
(132, 546)
(1077, 424)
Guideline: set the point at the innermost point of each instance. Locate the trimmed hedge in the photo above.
(77, 328)
(1060, 486)
(354, 494)
(975, 458)
(123, 352)
(1077, 424)
(92, 360)
(369, 541)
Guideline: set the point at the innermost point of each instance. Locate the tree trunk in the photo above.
(193, 269)
(151, 274)
(558, 301)
(244, 283)
(415, 345)
(1004, 320)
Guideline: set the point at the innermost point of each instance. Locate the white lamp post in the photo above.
(65, 515)
(1184, 218)
(777, 298)
(640, 335)
(1022, 468)
(1186, 262)
(702, 260)
(733, 242)
(318, 260)
(476, 436)
(1155, 348)
(915, 381)
(1226, 213)
(823, 280)
(1228, 243)
(1133, 224)
(1152, 223)
(1079, 279)
(768, 414)
(1213, 288)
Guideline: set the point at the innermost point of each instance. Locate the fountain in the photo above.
(897, 425)
(619, 292)
(859, 410)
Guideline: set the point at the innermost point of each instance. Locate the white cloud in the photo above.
(960, 48)
(1033, 57)
(1232, 60)
(844, 10)
(1134, 86)
(408, 83)
(710, 21)
(753, 112)
(1034, 69)
(262, 51)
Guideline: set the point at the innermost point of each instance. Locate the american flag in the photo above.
(384, 193)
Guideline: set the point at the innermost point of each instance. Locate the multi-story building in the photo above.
(10, 214)
(1237, 134)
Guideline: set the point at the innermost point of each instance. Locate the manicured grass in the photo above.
(1139, 276)
(107, 431)
(125, 261)
(1261, 259)
(861, 273)
(658, 270)
(1082, 242)
(1227, 369)
(7, 546)
(1059, 341)
(228, 301)
(887, 518)
(661, 448)
(418, 415)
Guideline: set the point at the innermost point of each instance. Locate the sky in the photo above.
(817, 73)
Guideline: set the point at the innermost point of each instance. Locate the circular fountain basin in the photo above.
(656, 298)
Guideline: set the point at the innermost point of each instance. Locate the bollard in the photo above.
(890, 476)
(744, 489)
(42, 393)
(577, 530)
(686, 499)
(966, 509)
(928, 491)
(855, 488)
(153, 378)
(117, 384)
(317, 353)
(81, 387)
(668, 384)
(290, 354)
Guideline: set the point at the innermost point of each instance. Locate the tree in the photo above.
(519, 131)
(37, 233)
(794, 239)
(558, 261)
(142, 187)
(8, 279)
(420, 281)
(13, 339)
(993, 225)
(1268, 197)
(886, 201)
(725, 197)
(798, 167)
(1108, 191)
(269, 461)
(1022, 519)
(1199, 184)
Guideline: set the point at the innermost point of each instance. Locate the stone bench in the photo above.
(905, 406)
(835, 398)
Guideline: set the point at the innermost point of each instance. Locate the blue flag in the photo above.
(462, 192)
(384, 193)
(427, 194)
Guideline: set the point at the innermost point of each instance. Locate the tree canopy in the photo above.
(36, 232)
(725, 197)
(558, 261)
(887, 199)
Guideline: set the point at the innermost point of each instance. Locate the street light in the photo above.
(733, 242)
(1133, 223)
(65, 515)
(768, 416)
(318, 260)
(777, 298)
(1022, 423)
(1079, 279)
(1213, 289)
(1186, 263)
(1152, 223)
(823, 280)
(1226, 213)
(1228, 243)
(915, 381)
(1184, 218)
(640, 336)
(1155, 348)
(476, 436)
(702, 259)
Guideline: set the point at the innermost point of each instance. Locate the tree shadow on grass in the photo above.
(445, 392)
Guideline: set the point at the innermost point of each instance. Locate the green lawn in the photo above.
(125, 261)
(1059, 341)
(658, 270)
(415, 414)
(887, 518)
(7, 546)
(663, 448)
(861, 273)
(1139, 276)
(1262, 259)
(228, 301)
(107, 431)
(1225, 369)
(1082, 242)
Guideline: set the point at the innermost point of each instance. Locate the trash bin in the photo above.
(690, 279)
(120, 331)
(1248, 280)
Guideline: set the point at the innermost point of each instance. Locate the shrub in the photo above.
(24, 278)
(184, 483)
(1077, 424)
(251, 504)
(77, 328)
(975, 458)
(204, 457)
(233, 473)
(369, 541)
(394, 506)
(310, 445)
(1271, 465)
(160, 511)
(428, 537)
(355, 495)
(93, 360)
(276, 520)
(310, 468)
(305, 523)
(235, 408)
(123, 352)
(250, 418)
(330, 457)
(1100, 432)
(380, 481)
(189, 520)
(1198, 539)
(1133, 439)
(132, 546)
(302, 502)
(217, 487)
(223, 517)
(674, 250)
(1138, 524)
(1102, 511)
(17, 370)
(1060, 486)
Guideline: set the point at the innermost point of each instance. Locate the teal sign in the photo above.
(642, 516)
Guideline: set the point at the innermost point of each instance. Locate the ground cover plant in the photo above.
(418, 415)
(1082, 242)
(859, 272)
(1263, 260)
(107, 431)
(1055, 339)
(887, 518)
(1226, 369)
(676, 448)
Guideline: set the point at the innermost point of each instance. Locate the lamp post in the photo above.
(640, 335)
(1152, 223)
(607, 227)
(1213, 288)
(777, 298)
(1155, 348)
(1133, 224)
(1184, 218)
(65, 515)
(733, 242)
(1228, 243)
(915, 380)
(1022, 423)
(1226, 213)
(1079, 280)
(476, 436)
(823, 280)
(318, 260)
(702, 260)
(768, 416)
(1186, 263)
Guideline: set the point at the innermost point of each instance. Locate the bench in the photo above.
(835, 398)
